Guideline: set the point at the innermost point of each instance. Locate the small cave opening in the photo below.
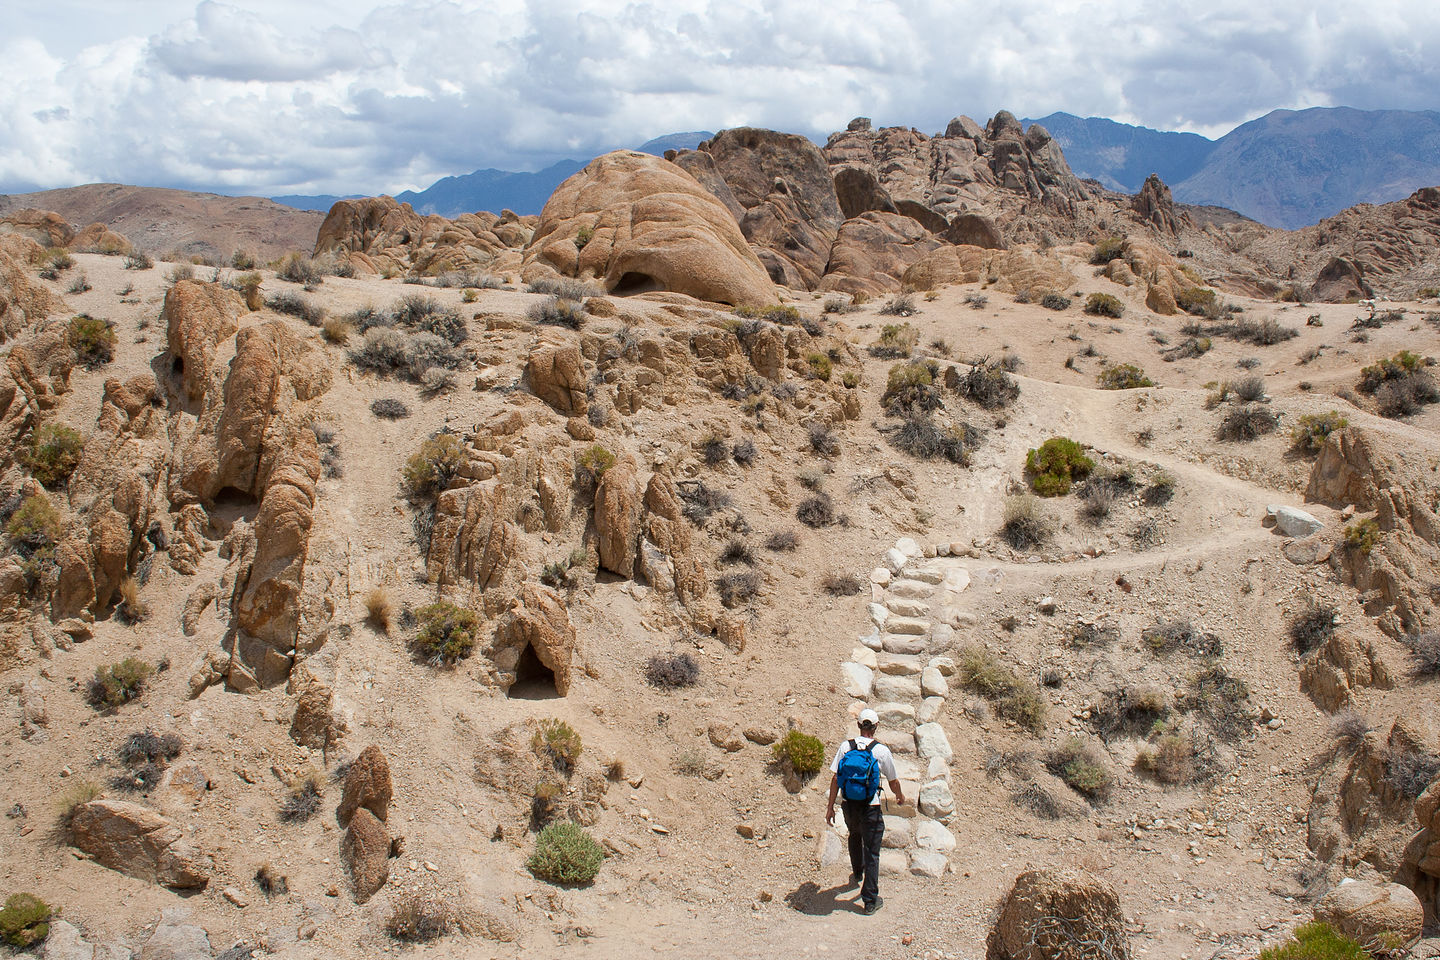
(636, 282)
(232, 504)
(177, 366)
(533, 680)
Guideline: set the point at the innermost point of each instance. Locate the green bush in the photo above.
(447, 633)
(910, 387)
(1199, 301)
(896, 341)
(25, 921)
(1123, 376)
(36, 524)
(1363, 535)
(119, 683)
(820, 366)
(1313, 429)
(1082, 768)
(593, 462)
(1397, 367)
(801, 752)
(53, 453)
(1106, 250)
(92, 339)
(1015, 699)
(1055, 465)
(558, 742)
(1316, 941)
(428, 470)
(565, 853)
(1104, 305)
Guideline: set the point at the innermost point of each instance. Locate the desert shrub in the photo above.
(1097, 500)
(1171, 760)
(1123, 376)
(565, 853)
(1316, 941)
(910, 388)
(800, 752)
(430, 468)
(850, 379)
(1260, 333)
(92, 339)
(671, 671)
(737, 588)
(1362, 535)
(1160, 491)
(1093, 635)
(564, 287)
(896, 341)
(1425, 649)
(55, 261)
(743, 452)
(417, 918)
(118, 683)
(1056, 464)
(1164, 637)
(80, 284)
(379, 608)
(34, 526)
(52, 454)
(816, 511)
(841, 583)
(737, 551)
(389, 408)
(558, 312)
(139, 260)
(1190, 348)
(558, 742)
(592, 463)
(1026, 524)
(1014, 699)
(783, 541)
(1249, 389)
(987, 384)
(1248, 423)
(1082, 768)
(820, 366)
(447, 633)
(1199, 301)
(838, 304)
(149, 747)
(1405, 396)
(715, 451)
(1219, 699)
(920, 436)
(1129, 711)
(700, 501)
(1349, 729)
(1055, 301)
(335, 330)
(25, 920)
(900, 305)
(301, 269)
(385, 349)
(1409, 772)
(1313, 429)
(1106, 250)
(296, 305)
(180, 271)
(1104, 305)
(303, 801)
(1312, 626)
(131, 607)
(1030, 795)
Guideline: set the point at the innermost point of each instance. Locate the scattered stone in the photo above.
(365, 851)
(930, 741)
(858, 680)
(237, 898)
(880, 576)
(878, 614)
(928, 863)
(726, 736)
(930, 835)
(1046, 605)
(1293, 522)
(761, 736)
(895, 560)
(176, 941)
(929, 710)
(746, 830)
(900, 664)
(898, 833)
(864, 656)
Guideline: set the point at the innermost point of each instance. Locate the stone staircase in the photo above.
(901, 670)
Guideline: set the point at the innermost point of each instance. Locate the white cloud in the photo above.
(248, 96)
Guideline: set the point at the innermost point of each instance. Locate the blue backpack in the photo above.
(859, 773)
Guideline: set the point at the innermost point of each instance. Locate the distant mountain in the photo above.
(1292, 168)
(675, 141)
(1121, 156)
(321, 202)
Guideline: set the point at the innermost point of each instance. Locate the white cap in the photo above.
(869, 717)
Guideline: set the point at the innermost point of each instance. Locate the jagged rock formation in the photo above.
(23, 301)
(872, 252)
(137, 841)
(1154, 204)
(379, 235)
(50, 229)
(1343, 665)
(1421, 869)
(638, 223)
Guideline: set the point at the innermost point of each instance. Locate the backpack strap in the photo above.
(869, 747)
(853, 746)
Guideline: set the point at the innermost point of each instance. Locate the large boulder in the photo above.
(639, 223)
(858, 191)
(1014, 271)
(379, 234)
(137, 841)
(367, 787)
(873, 250)
(474, 538)
(365, 852)
(1372, 912)
(617, 518)
(975, 230)
(1059, 914)
(197, 317)
(45, 227)
(556, 373)
(98, 238)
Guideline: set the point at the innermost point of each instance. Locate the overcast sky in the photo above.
(324, 96)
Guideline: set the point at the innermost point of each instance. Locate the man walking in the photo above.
(858, 766)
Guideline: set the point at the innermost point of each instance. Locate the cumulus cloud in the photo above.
(233, 96)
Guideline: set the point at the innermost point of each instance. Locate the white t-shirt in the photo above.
(883, 757)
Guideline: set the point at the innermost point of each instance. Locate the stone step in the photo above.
(909, 626)
(894, 689)
(904, 644)
(900, 664)
(901, 607)
(912, 589)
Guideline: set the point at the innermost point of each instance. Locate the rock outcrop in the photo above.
(1344, 664)
(379, 234)
(23, 302)
(638, 223)
(367, 787)
(197, 317)
(617, 518)
(137, 841)
(539, 623)
(556, 374)
(1154, 204)
(1421, 868)
(1058, 915)
(1372, 913)
(872, 252)
(1013, 271)
(365, 852)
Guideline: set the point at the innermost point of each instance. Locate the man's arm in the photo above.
(894, 788)
(830, 804)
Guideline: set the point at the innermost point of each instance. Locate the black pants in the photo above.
(867, 828)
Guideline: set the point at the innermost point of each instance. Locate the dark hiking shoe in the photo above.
(874, 906)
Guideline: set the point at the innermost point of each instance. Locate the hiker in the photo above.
(858, 766)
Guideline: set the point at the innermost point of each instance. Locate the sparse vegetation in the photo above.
(563, 287)
(131, 608)
(419, 918)
(820, 366)
(1409, 772)
(565, 853)
(303, 801)
(715, 451)
(986, 383)
(1055, 465)
(1110, 248)
(900, 305)
(92, 339)
(25, 920)
(1055, 301)
(1104, 305)
(1014, 699)
(1123, 376)
(896, 341)
(783, 541)
(1249, 389)
(672, 671)
(799, 751)
(1312, 626)
(1425, 650)
(1362, 535)
(1221, 700)
(335, 330)
(920, 436)
(1160, 491)
(118, 683)
(1260, 333)
(429, 469)
(701, 501)
(1248, 423)
(1026, 524)
(1187, 349)
(559, 743)
(816, 511)
(447, 633)
(559, 312)
(1170, 760)
(389, 408)
(737, 550)
(737, 588)
(1349, 729)
(1082, 768)
(79, 284)
(301, 269)
(838, 304)
(1164, 637)
(841, 583)
(139, 260)
(1316, 941)
(52, 454)
(1200, 301)
(743, 452)
(379, 608)
(910, 388)
(1313, 429)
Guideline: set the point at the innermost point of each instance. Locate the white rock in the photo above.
(933, 683)
(900, 665)
(938, 769)
(890, 688)
(893, 863)
(935, 799)
(878, 613)
(863, 656)
(905, 587)
(1047, 605)
(929, 709)
(904, 644)
(1293, 522)
(829, 850)
(902, 607)
(895, 560)
(907, 769)
(946, 665)
(957, 579)
(898, 833)
(930, 835)
(873, 640)
(930, 741)
(928, 863)
(899, 741)
(880, 575)
(927, 575)
(895, 715)
(893, 809)
(908, 546)
(942, 636)
(910, 626)
(858, 680)
(942, 549)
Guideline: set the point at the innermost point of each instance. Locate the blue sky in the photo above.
(320, 96)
